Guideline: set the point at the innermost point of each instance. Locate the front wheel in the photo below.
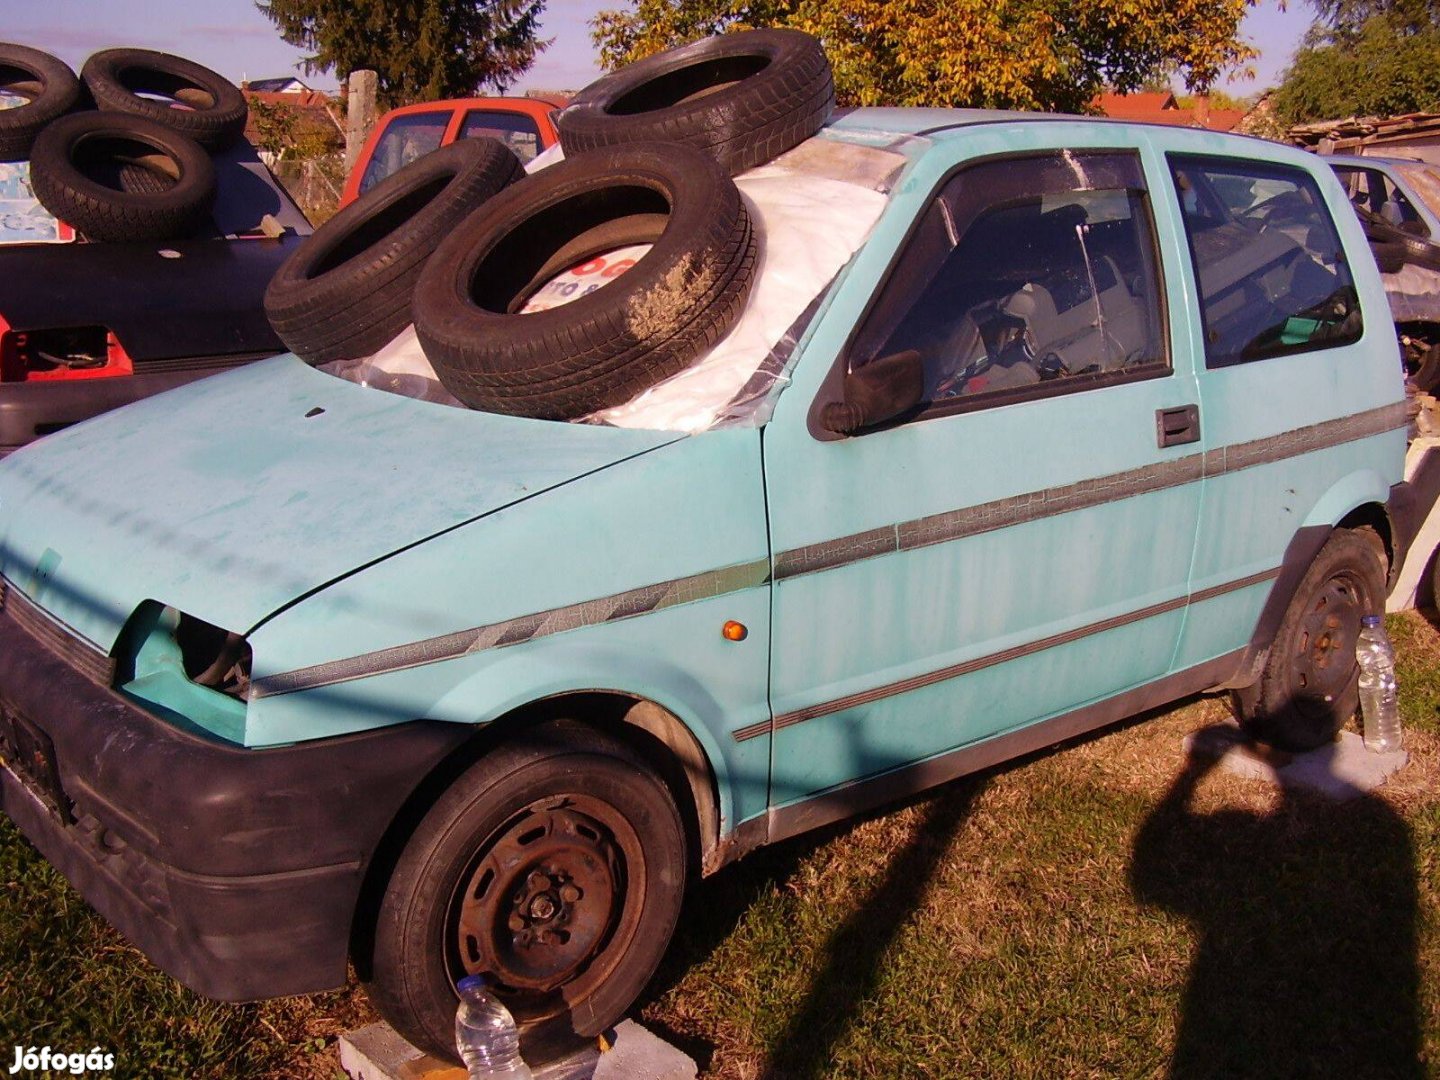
(554, 866)
(1309, 685)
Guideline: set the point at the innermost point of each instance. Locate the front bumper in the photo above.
(236, 871)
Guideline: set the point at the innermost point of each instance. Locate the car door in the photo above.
(1300, 383)
(1019, 545)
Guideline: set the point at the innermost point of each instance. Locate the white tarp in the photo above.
(807, 223)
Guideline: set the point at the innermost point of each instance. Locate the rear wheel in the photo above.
(1308, 687)
(555, 867)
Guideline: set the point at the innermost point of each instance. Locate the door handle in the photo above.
(1177, 426)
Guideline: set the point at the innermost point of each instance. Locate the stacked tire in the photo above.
(651, 152)
(136, 166)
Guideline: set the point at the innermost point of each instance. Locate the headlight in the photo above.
(185, 669)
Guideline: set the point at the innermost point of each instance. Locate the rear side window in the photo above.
(519, 133)
(406, 138)
(1027, 277)
(1271, 271)
(1373, 192)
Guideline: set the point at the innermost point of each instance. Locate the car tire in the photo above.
(375, 248)
(211, 109)
(555, 865)
(117, 178)
(1309, 682)
(51, 90)
(742, 98)
(602, 348)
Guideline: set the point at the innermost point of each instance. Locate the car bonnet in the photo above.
(234, 496)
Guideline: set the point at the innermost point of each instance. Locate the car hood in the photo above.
(237, 495)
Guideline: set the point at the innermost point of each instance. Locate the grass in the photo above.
(1103, 910)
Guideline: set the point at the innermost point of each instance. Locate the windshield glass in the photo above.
(405, 139)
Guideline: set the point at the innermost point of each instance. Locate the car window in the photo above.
(405, 139)
(1371, 190)
(1027, 276)
(1271, 271)
(520, 133)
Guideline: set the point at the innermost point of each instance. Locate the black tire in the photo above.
(116, 177)
(602, 348)
(571, 930)
(214, 109)
(1309, 684)
(742, 98)
(1389, 241)
(51, 90)
(346, 290)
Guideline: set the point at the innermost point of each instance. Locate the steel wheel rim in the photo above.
(548, 904)
(1323, 661)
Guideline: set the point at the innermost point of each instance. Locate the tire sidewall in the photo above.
(412, 950)
(61, 186)
(593, 104)
(215, 126)
(59, 93)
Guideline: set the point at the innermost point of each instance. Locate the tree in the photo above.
(421, 50)
(1386, 64)
(1027, 54)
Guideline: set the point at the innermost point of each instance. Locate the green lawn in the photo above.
(1096, 911)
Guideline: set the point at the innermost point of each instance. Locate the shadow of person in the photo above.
(1306, 917)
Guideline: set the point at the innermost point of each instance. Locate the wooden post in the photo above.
(359, 113)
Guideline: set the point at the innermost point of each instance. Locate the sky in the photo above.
(235, 39)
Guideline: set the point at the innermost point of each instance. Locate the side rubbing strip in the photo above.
(979, 663)
(1048, 502)
(514, 631)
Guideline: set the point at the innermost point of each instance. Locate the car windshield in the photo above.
(404, 140)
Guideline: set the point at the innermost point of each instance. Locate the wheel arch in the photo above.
(1358, 501)
(655, 733)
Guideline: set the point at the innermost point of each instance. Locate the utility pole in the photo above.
(361, 86)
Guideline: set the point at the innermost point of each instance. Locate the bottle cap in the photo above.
(1370, 620)
(472, 982)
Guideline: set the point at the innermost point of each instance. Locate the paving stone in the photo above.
(1341, 771)
(377, 1052)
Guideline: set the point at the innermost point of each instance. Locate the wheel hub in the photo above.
(1325, 658)
(543, 899)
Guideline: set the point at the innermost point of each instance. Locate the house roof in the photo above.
(1141, 106)
(1162, 108)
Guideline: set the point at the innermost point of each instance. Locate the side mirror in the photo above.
(881, 390)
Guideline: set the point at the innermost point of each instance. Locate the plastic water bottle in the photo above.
(486, 1036)
(1378, 702)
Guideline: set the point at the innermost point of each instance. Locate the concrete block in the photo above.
(1341, 771)
(377, 1052)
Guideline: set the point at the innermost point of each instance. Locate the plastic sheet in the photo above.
(808, 225)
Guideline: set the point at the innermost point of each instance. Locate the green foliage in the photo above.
(1385, 68)
(1028, 54)
(421, 50)
(1348, 17)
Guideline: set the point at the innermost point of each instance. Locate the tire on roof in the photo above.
(201, 103)
(742, 98)
(346, 291)
(49, 87)
(604, 347)
(117, 177)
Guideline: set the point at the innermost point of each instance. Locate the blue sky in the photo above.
(234, 38)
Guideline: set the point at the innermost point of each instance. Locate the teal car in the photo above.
(297, 672)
